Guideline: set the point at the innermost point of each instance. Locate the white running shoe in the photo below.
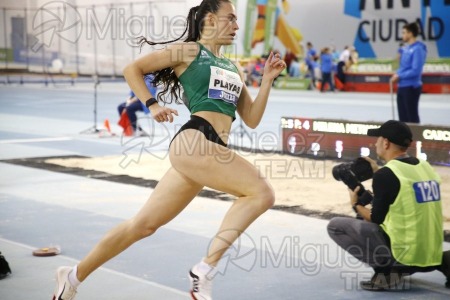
(64, 290)
(201, 285)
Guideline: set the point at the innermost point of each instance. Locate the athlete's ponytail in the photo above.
(194, 27)
(193, 21)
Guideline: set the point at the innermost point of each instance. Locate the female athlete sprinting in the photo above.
(214, 90)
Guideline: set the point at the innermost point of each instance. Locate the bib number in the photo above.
(427, 191)
(224, 85)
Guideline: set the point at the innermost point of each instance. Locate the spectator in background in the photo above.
(288, 58)
(409, 75)
(310, 60)
(248, 69)
(344, 58)
(294, 70)
(354, 57)
(326, 66)
(133, 105)
(257, 71)
(335, 54)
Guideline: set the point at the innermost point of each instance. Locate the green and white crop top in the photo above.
(211, 83)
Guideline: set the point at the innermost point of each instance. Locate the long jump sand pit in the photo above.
(298, 182)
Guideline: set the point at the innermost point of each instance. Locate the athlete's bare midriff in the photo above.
(220, 122)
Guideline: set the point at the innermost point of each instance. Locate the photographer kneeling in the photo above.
(403, 232)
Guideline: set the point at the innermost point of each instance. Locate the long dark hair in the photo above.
(194, 26)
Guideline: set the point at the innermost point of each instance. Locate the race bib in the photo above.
(427, 191)
(224, 85)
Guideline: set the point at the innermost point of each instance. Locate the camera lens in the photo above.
(336, 171)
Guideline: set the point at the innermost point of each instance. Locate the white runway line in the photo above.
(137, 279)
(36, 140)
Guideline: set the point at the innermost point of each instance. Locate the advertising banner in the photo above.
(373, 27)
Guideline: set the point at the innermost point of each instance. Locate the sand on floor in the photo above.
(296, 180)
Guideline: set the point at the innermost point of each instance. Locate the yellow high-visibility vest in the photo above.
(414, 221)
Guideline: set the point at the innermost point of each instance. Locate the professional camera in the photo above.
(352, 174)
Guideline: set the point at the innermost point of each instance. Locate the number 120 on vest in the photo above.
(427, 191)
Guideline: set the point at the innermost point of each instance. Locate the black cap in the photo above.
(395, 131)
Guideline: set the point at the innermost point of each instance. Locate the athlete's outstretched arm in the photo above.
(251, 111)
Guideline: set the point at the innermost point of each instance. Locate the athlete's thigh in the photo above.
(171, 195)
(214, 166)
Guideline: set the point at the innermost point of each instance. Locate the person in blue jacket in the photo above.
(310, 60)
(133, 105)
(409, 75)
(326, 66)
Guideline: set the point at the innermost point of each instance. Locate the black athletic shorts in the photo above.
(203, 126)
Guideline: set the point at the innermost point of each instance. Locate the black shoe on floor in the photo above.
(445, 267)
(382, 282)
(5, 270)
